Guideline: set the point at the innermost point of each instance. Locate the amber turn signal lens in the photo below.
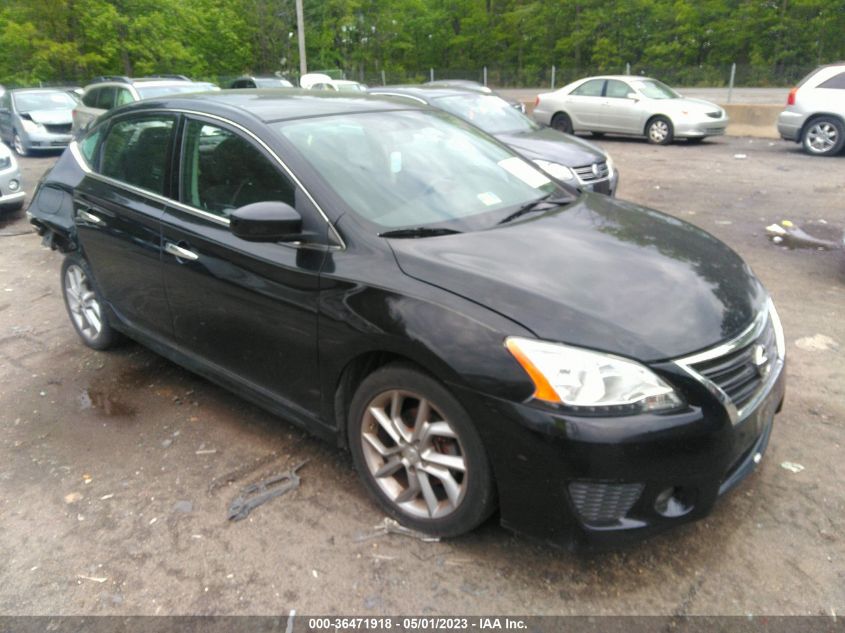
(542, 388)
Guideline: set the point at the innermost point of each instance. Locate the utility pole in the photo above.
(300, 36)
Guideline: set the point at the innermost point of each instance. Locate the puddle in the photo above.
(105, 403)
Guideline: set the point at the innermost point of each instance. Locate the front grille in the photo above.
(63, 128)
(742, 372)
(715, 115)
(592, 172)
(598, 502)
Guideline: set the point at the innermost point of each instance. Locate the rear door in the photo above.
(247, 308)
(118, 208)
(584, 105)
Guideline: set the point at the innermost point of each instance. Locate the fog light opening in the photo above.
(674, 502)
(13, 185)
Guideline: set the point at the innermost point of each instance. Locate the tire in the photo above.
(823, 136)
(85, 306)
(17, 143)
(562, 123)
(429, 473)
(659, 131)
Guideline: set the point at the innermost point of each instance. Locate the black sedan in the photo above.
(393, 279)
(562, 156)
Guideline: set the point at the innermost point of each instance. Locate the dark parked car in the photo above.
(562, 156)
(36, 118)
(260, 82)
(475, 86)
(394, 279)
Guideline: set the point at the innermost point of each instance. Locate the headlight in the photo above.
(31, 126)
(780, 341)
(555, 170)
(591, 383)
(610, 165)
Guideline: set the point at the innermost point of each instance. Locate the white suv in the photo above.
(815, 111)
(105, 93)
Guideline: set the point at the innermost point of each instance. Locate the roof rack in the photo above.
(117, 78)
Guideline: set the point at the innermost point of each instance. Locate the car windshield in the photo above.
(417, 169)
(654, 89)
(148, 92)
(492, 114)
(31, 101)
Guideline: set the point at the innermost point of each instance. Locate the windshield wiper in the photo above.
(419, 231)
(532, 206)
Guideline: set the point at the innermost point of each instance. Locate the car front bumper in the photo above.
(11, 187)
(598, 482)
(700, 127)
(45, 140)
(790, 124)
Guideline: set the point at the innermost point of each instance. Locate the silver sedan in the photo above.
(627, 104)
(11, 189)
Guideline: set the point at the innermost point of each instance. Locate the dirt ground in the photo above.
(117, 469)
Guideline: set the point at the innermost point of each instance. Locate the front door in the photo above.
(247, 308)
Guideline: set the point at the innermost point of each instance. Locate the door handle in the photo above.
(82, 214)
(180, 253)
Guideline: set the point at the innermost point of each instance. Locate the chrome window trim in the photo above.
(341, 245)
(747, 336)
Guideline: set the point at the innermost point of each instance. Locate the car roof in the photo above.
(619, 77)
(17, 90)
(424, 91)
(273, 104)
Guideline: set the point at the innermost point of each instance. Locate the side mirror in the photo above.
(266, 222)
(633, 96)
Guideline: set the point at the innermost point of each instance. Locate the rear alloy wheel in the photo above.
(823, 136)
(659, 131)
(85, 306)
(20, 148)
(562, 123)
(418, 453)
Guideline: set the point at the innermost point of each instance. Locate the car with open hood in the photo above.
(36, 119)
(389, 277)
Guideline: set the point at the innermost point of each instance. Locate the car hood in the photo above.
(50, 117)
(548, 144)
(599, 273)
(688, 104)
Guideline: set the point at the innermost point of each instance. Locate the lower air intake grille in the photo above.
(603, 503)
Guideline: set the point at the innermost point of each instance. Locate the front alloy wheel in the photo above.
(824, 137)
(418, 453)
(20, 148)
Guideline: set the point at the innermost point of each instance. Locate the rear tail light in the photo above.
(537, 101)
(790, 100)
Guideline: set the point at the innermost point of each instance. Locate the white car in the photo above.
(815, 112)
(625, 104)
(11, 188)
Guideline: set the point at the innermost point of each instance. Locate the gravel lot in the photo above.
(117, 469)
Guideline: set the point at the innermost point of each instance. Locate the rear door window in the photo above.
(590, 88)
(106, 98)
(90, 98)
(137, 151)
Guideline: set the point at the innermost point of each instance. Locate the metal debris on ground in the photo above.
(92, 578)
(819, 235)
(792, 467)
(390, 526)
(259, 493)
